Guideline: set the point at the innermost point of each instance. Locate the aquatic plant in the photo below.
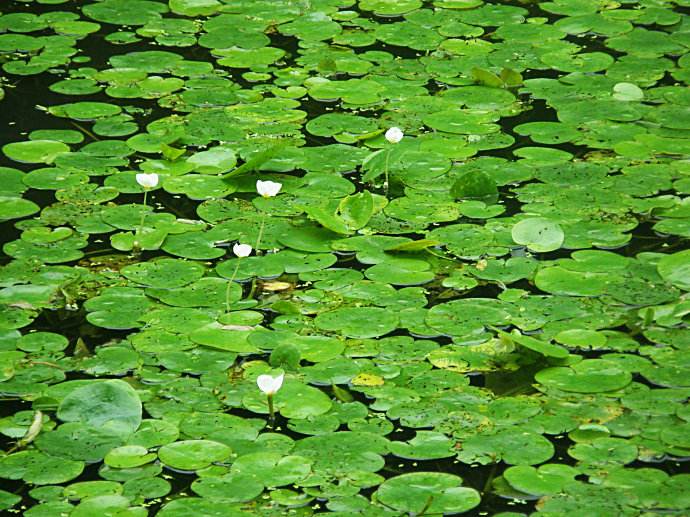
(266, 189)
(241, 251)
(465, 280)
(269, 385)
(147, 182)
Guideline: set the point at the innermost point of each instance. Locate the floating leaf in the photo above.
(112, 405)
(435, 492)
(538, 234)
(35, 151)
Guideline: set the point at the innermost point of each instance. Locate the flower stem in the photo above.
(227, 289)
(143, 213)
(271, 412)
(136, 244)
(426, 506)
(261, 232)
(385, 183)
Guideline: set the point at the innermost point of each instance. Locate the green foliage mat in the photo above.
(485, 310)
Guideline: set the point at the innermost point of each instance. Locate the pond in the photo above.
(358, 257)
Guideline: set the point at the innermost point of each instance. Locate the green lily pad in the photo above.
(230, 488)
(602, 451)
(436, 491)
(16, 208)
(675, 269)
(389, 7)
(358, 322)
(515, 446)
(35, 151)
(189, 455)
(8, 500)
(205, 292)
(588, 376)
(401, 272)
(475, 185)
(112, 405)
(272, 469)
(294, 400)
(122, 12)
(129, 456)
(538, 234)
(216, 160)
(548, 479)
(426, 445)
(164, 273)
(39, 468)
(343, 452)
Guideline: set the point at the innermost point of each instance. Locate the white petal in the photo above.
(278, 381)
(394, 135)
(242, 250)
(269, 384)
(268, 188)
(147, 180)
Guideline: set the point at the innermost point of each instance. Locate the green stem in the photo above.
(136, 245)
(252, 289)
(490, 479)
(271, 412)
(261, 232)
(428, 250)
(227, 289)
(385, 184)
(143, 213)
(427, 505)
(84, 130)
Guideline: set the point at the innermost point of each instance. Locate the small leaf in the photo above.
(171, 153)
(374, 164)
(475, 185)
(538, 234)
(420, 244)
(328, 220)
(342, 394)
(486, 78)
(255, 161)
(356, 210)
(511, 78)
(285, 356)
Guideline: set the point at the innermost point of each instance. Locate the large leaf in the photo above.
(112, 405)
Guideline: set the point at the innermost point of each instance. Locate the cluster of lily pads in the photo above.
(374, 257)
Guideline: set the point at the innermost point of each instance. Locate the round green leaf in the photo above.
(189, 455)
(675, 269)
(35, 151)
(112, 405)
(436, 491)
(538, 234)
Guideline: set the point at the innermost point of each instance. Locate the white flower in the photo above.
(269, 384)
(268, 188)
(394, 135)
(147, 180)
(242, 250)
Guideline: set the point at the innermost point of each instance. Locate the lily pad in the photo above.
(675, 269)
(538, 234)
(35, 151)
(112, 405)
(358, 322)
(166, 273)
(190, 455)
(437, 492)
(588, 376)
